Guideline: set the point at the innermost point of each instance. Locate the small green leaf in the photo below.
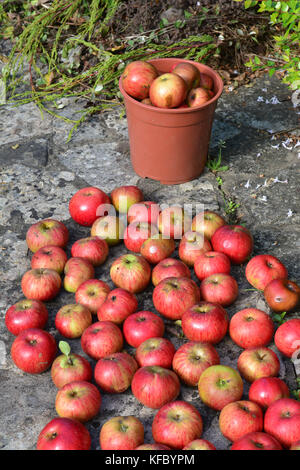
(64, 348)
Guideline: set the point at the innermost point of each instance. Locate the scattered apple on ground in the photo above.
(49, 257)
(26, 314)
(85, 204)
(78, 400)
(121, 433)
(117, 306)
(256, 441)
(64, 434)
(114, 373)
(70, 367)
(141, 326)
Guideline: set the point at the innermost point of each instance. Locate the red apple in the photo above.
(94, 249)
(287, 337)
(173, 222)
(137, 78)
(169, 267)
(78, 400)
(189, 73)
(131, 272)
(219, 385)
(282, 295)
(174, 295)
(152, 447)
(192, 245)
(92, 293)
(114, 373)
(220, 289)
(49, 257)
(176, 424)
(26, 314)
(85, 203)
(207, 222)
(71, 320)
(41, 284)
(47, 232)
(141, 326)
(109, 228)
(157, 248)
(258, 362)
(239, 418)
(154, 386)
(211, 262)
(136, 233)
(155, 352)
(198, 97)
(33, 350)
(168, 91)
(118, 305)
(251, 328)
(206, 81)
(125, 196)
(101, 339)
(256, 441)
(69, 367)
(199, 444)
(121, 433)
(205, 322)
(191, 359)
(282, 421)
(262, 269)
(266, 390)
(145, 211)
(235, 241)
(64, 434)
(77, 271)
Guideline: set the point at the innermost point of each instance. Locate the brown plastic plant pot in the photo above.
(170, 145)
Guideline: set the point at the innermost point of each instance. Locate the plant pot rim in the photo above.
(177, 110)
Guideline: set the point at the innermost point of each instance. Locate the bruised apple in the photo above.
(168, 91)
(198, 97)
(137, 78)
(189, 73)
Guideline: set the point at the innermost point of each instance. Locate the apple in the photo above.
(176, 424)
(189, 73)
(78, 400)
(118, 305)
(77, 271)
(266, 390)
(85, 203)
(235, 241)
(220, 289)
(173, 222)
(49, 257)
(41, 284)
(157, 248)
(71, 320)
(147, 101)
(101, 339)
(143, 325)
(69, 367)
(137, 78)
(91, 294)
(136, 233)
(94, 249)
(282, 421)
(192, 245)
(287, 337)
(198, 97)
(131, 272)
(191, 359)
(145, 211)
(169, 267)
(47, 232)
(262, 269)
(33, 350)
(199, 444)
(110, 228)
(282, 295)
(205, 322)
(251, 328)
(295, 446)
(26, 314)
(206, 81)
(64, 434)
(207, 222)
(121, 433)
(154, 386)
(125, 196)
(114, 373)
(256, 441)
(239, 418)
(168, 91)
(152, 447)
(258, 362)
(211, 262)
(219, 385)
(155, 352)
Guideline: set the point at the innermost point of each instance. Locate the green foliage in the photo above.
(215, 165)
(279, 317)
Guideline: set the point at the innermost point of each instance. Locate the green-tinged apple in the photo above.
(71, 320)
(131, 272)
(206, 223)
(199, 444)
(219, 385)
(192, 245)
(77, 271)
(91, 294)
(47, 232)
(49, 257)
(168, 91)
(173, 222)
(125, 196)
(121, 433)
(198, 97)
(78, 400)
(110, 228)
(41, 284)
(258, 362)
